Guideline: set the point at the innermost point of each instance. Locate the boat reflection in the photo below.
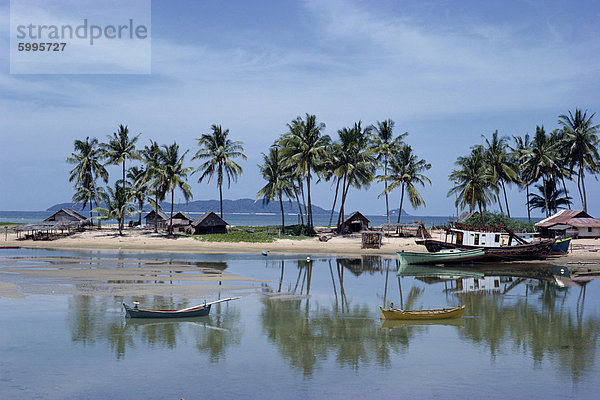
(391, 324)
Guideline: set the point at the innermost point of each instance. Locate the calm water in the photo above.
(302, 330)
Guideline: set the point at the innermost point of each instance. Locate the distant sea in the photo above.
(242, 219)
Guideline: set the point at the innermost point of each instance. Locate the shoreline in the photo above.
(107, 239)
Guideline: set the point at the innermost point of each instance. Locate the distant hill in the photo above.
(229, 206)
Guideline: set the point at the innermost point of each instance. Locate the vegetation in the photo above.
(496, 219)
(219, 151)
(551, 160)
(256, 234)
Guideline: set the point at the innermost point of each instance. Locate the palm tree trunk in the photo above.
(305, 212)
(156, 210)
(123, 219)
(282, 214)
(221, 198)
(562, 178)
(583, 189)
(527, 203)
(341, 213)
(310, 218)
(401, 201)
(387, 207)
(337, 187)
(505, 199)
(141, 211)
(481, 214)
(499, 202)
(299, 205)
(545, 183)
(171, 217)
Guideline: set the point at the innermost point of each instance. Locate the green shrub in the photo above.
(495, 219)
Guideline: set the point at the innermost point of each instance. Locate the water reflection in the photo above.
(90, 324)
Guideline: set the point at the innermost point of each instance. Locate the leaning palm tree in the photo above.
(219, 151)
(151, 157)
(174, 175)
(118, 204)
(139, 183)
(581, 144)
(279, 180)
(385, 145)
(87, 168)
(120, 147)
(304, 146)
(499, 163)
(473, 182)
(406, 171)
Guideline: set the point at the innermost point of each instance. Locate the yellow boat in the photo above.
(442, 313)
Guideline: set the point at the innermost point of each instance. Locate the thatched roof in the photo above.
(209, 218)
(75, 216)
(47, 226)
(161, 215)
(183, 216)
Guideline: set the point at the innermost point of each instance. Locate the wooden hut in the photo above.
(159, 220)
(574, 223)
(67, 216)
(354, 223)
(182, 223)
(209, 222)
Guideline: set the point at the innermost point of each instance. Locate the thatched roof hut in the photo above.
(158, 220)
(182, 223)
(354, 223)
(67, 216)
(209, 222)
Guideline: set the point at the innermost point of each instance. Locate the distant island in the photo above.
(247, 206)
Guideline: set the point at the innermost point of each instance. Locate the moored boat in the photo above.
(561, 246)
(442, 313)
(497, 245)
(445, 256)
(200, 310)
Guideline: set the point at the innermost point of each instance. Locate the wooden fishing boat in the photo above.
(497, 245)
(442, 313)
(445, 256)
(561, 246)
(200, 310)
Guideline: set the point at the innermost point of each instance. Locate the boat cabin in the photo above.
(480, 238)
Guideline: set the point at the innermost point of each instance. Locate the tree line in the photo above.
(298, 158)
(546, 161)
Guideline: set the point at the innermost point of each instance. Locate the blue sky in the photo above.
(446, 72)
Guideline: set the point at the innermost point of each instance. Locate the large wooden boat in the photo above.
(496, 244)
(442, 313)
(200, 310)
(446, 256)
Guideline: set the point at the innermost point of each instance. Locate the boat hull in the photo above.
(529, 251)
(414, 258)
(141, 313)
(422, 315)
(560, 247)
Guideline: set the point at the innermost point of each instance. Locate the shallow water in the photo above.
(302, 330)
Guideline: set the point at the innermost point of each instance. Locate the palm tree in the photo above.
(521, 156)
(357, 164)
(407, 171)
(384, 145)
(219, 151)
(279, 180)
(580, 142)
(87, 169)
(499, 163)
(541, 160)
(305, 147)
(552, 197)
(151, 156)
(118, 204)
(120, 147)
(174, 174)
(138, 179)
(473, 182)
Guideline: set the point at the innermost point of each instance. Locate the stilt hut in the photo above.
(209, 222)
(355, 223)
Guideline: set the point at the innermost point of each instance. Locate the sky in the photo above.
(446, 72)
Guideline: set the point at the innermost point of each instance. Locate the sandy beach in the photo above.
(107, 239)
